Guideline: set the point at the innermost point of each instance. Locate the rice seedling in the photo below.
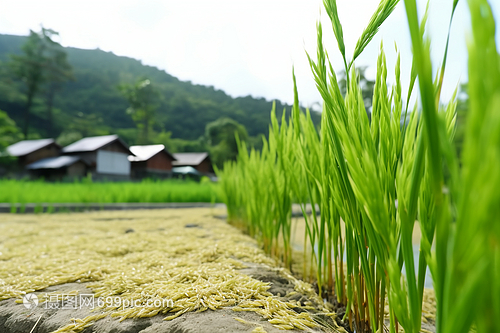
(14, 191)
(466, 200)
(374, 179)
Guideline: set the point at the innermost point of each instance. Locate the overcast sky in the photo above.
(242, 47)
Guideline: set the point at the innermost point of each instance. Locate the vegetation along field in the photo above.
(14, 191)
(374, 179)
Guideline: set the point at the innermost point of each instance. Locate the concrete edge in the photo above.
(81, 207)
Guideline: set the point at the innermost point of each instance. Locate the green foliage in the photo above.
(9, 132)
(143, 99)
(221, 136)
(88, 192)
(58, 71)
(184, 109)
(43, 61)
(187, 146)
(67, 138)
(86, 124)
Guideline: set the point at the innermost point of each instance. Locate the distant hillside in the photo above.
(93, 104)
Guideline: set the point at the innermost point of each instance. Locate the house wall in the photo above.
(115, 147)
(137, 169)
(112, 163)
(109, 177)
(89, 157)
(78, 169)
(205, 166)
(112, 160)
(160, 161)
(109, 160)
(138, 165)
(51, 150)
(158, 166)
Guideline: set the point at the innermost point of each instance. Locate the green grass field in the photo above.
(15, 191)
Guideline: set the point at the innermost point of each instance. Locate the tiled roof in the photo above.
(189, 158)
(26, 147)
(144, 153)
(90, 144)
(54, 162)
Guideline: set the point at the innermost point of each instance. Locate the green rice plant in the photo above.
(266, 203)
(373, 180)
(385, 8)
(376, 161)
(332, 181)
(317, 231)
(465, 200)
(38, 209)
(228, 192)
(379, 144)
(477, 203)
(15, 191)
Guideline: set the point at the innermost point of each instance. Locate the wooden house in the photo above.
(150, 161)
(29, 151)
(58, 168)
(106, 156)
(199, 161)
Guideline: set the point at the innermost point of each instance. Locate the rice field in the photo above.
(375, 180)
(20, 192)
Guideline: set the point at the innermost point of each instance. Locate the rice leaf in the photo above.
(384, 9)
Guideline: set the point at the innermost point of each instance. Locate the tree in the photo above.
(58, 71)
(143, 99)
(87, 124)
(9, 132)
(221, 136)
(42, 60)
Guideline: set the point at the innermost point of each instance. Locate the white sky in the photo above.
(242, 47)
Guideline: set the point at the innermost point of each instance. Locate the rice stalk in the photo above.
(383, 175)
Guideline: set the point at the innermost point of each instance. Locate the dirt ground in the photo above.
(216, 278)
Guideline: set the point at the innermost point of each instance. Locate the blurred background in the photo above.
(187, 75)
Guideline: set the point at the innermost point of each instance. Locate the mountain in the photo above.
(91, 104)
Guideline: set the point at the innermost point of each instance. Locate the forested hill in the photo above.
(91, 104)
